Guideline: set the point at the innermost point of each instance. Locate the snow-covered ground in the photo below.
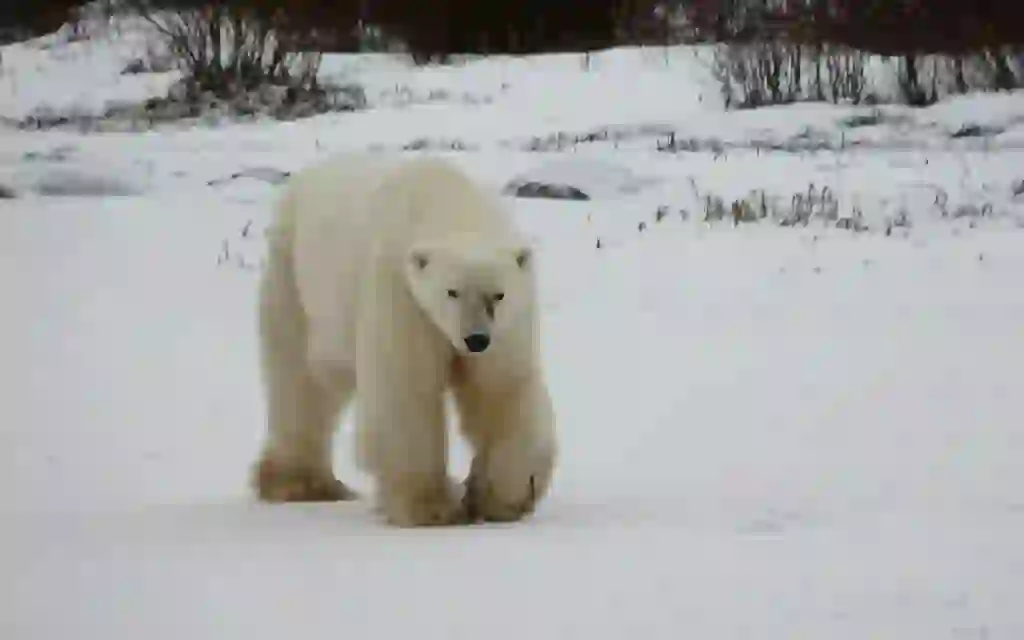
(768, 432)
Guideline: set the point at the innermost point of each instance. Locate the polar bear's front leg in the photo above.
(401, 430)
(403, 444)
(513, 436)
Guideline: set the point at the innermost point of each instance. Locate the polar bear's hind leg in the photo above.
(295, 464)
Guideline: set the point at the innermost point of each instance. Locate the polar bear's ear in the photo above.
(419, 259)
(524, 255)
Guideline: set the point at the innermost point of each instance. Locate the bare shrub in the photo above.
(229, 48)
(1005, 67)
(937, 48)
(760, 73)
(846, 77)
(912, 90)
(925, 79)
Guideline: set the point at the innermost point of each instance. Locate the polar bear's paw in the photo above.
(276, 483)
(424, 506)
(483, 503)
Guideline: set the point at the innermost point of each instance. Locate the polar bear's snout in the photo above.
(476, 317)
(477, 342)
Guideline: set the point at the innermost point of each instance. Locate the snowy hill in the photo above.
(772, 430)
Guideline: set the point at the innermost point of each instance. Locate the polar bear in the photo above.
(391, 282)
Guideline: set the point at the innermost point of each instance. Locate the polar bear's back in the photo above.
(320, 217)
(387, 202)
(442, 199)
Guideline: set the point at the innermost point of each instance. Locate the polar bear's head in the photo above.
(471, 290)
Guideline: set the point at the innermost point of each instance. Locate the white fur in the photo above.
(362, 255)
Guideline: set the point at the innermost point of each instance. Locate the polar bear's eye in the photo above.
(452, 293)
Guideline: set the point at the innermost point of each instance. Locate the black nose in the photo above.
(477, 342)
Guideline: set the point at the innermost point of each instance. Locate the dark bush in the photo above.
(231, 47)
(938, 47)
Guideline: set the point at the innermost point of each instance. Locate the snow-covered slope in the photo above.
(769, 432)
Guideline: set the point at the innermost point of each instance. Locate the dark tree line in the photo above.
(441, 27)
(430, 28)
(500, 26)
(887, 27)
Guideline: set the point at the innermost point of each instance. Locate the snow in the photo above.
(768, 432)
(81, 76)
